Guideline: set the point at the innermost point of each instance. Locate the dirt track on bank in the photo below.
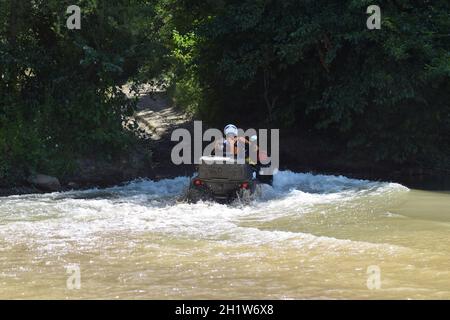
(158, 117)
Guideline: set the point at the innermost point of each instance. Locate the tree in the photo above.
(314, 65)
(60, 95)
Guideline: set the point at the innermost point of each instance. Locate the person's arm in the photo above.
(243, 145)
(244, 140)
(262, 155)
(218, 146)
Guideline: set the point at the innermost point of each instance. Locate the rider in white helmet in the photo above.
(229, 147)
(229, 144)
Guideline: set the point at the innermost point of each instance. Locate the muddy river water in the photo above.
(310, 236)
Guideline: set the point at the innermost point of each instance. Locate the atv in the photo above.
(223, 180)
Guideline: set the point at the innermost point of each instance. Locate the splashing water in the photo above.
(310, 236)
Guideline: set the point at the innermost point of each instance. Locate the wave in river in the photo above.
(52, 221)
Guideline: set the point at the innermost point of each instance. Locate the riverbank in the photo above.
(308, 155)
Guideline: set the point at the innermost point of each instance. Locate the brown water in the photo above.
(308, 237)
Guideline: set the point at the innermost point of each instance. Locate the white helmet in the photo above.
(230, 129)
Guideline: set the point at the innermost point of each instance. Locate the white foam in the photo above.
(54, 221)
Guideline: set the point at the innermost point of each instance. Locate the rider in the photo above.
(230, 146)
(231, 149)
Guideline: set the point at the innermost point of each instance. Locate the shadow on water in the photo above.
(426, 183)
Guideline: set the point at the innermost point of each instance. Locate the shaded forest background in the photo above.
(310, 68)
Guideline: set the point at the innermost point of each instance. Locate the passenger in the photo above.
(253, 151)
(262, 170)
(227, 147)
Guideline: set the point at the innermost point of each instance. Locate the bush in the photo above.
(314, 66)
(60, 96)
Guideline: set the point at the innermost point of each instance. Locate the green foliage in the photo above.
(185, 89)
(313, 65)
(60, 94)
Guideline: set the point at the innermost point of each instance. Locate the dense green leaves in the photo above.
(59, 88)
(311, 66)
(314, 65)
